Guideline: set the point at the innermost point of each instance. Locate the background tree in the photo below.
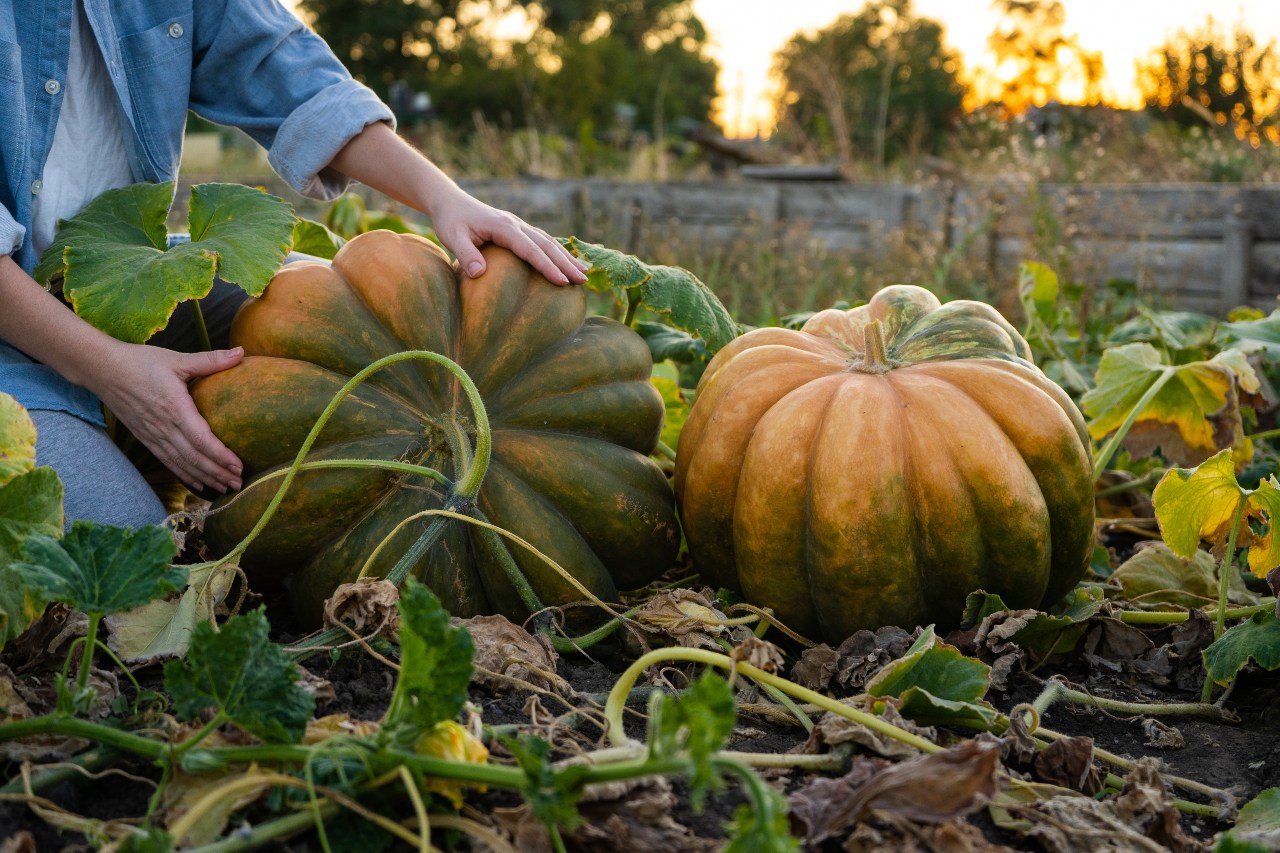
(1209, 76)
(571, 63)
(870, 86)
(1035, 58)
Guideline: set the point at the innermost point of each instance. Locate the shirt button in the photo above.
(36, 186)
(175, 30)
(53, 87)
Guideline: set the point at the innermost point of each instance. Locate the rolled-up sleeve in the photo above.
(11, 233)
(257, 67)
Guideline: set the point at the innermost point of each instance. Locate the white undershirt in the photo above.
(88, 155)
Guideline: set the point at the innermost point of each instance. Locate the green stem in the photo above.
(633, 305)
(1148, 479)
(63, 724)
(581, 644)
(1265, 434)
(264, 832)
(1108, 450)
(202, 331)
(664, 449)
(617, 696)
(489, 541)
(90, 646)
(381, 464)
(1056, 691)
(475, 473)
(1177, 617)
(1226, 568)
(72, 769)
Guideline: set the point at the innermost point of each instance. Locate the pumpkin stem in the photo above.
(875, 352)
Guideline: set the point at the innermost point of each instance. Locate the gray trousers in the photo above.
(99, 483)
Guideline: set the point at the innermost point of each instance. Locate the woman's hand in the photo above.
(145, 387)
(464, 223)
(380, 159)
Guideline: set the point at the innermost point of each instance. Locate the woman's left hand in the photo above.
(464, 223)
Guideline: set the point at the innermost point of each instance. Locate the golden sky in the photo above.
(745, 34)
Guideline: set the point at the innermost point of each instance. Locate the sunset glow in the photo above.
(745, 34)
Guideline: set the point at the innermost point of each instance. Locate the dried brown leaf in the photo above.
(927, 789)
(504, 648)
(368, 607)
(816, 667)
(761, 654)
(831, 730)
(1068, 762)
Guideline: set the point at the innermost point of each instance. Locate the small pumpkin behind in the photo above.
(568, 397)
(879, 464)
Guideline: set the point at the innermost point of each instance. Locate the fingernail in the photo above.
(235, 485)
(232, 353)
(197, 487)
(475, 268)
(582, 265)
(237, 470)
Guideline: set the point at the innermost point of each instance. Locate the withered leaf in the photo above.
(928, 789)
(504, 648)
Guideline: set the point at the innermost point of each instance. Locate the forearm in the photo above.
(39, 324)
(381, 160)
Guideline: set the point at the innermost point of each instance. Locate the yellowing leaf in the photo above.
(451, 741)
(17, 439)
(1193, 414)
(1203, 502)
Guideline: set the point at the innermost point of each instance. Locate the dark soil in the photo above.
(1243, 756)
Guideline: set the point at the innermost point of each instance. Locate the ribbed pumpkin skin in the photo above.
(846, 495)
(572, 410)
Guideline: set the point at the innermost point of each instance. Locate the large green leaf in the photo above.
(312, 238)
(674, 292)
(102, 569)
(435, 665)
(247, 230)
(1251, 335)
(1257, 639)
(120, 275)
(29, 504)
(936, 684)
(1194, 414)
(17, 439)
(1203, 502)
(245, 676)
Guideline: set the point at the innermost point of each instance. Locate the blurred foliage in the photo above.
(1211, 78)
(563, 64)
(1031, 40)
(871, 86)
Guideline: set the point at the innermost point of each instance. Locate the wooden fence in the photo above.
(1207, 247)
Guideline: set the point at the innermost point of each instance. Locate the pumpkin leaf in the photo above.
(666, 378)
(1253, 335)
(1258, 824)
(312, 238)
(120, 274)
(668, 344)
(1156, 577)
(163, 628)
(688, 304)
(435, 665)
(763, 826)
(30, 504)
(102, 569)
(1203, 503)
(1256, 639)
(246, 677)
(1174, 330)
(17, 439)
(936, 684)
(552, 796)
(1194, 413)
(1039, 634)
(1038, 290)
(695, 725)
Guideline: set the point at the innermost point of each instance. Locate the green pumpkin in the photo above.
(876, 466)
(573, 414)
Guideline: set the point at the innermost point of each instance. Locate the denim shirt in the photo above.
(246, 63)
